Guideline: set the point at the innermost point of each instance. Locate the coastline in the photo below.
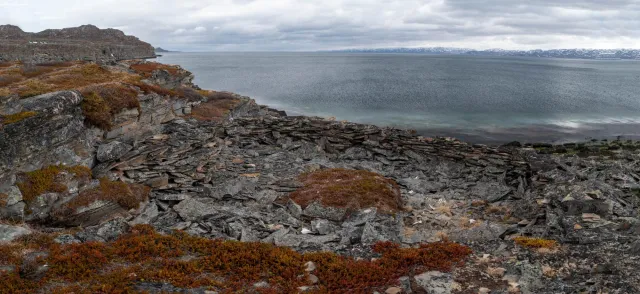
(529, 213)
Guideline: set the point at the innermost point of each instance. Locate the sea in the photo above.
(473, 98)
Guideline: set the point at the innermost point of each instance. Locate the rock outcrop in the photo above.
(539, 218)
(86, 42)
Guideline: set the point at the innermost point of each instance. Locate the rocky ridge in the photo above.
(85, 42)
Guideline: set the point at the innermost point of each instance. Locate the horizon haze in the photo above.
(289, 25)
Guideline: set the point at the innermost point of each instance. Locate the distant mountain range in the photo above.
(554, 53)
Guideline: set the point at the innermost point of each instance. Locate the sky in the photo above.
(309, 25)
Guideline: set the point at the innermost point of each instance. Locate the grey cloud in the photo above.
(250, 25)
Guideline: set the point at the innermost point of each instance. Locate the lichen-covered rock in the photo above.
(317, 210)
(112, 151)
(435, 282)
(9, 233)
(55, 135)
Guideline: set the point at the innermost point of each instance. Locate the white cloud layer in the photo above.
(256, 25)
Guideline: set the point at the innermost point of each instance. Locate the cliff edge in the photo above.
(87, 43)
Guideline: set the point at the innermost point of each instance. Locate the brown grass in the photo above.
(352, 189)
(6, 80)
(128, 196)
(34, 88)
(148, 89)
(96, 111)
(14, 118)
(35, 183)
(216, 108)
(40, 79)
(146, 69)
(103, 102)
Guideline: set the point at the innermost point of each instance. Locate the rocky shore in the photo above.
(535, 218)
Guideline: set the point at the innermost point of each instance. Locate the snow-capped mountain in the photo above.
(553, 53)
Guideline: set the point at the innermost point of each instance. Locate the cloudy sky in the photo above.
(293, 25)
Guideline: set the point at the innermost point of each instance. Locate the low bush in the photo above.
(146, 69)
(96, 111)
(353, 189)
(223, 266)
(6, 80)
(103, 102)
(35, 183)
(128, 196)
(34, 88)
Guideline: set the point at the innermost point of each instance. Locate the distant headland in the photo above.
(86, 43)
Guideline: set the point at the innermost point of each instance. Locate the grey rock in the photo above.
(405, 284)
(371, 233)
(171, 196)
(322, 226)
(148, 214)
(531, 278)
(66, 239)
(361, 217)
(192, 209)
(13, 196)
(112, 151)
(487, 231)
(318, 210)
(111, 230)
(435, 282)
(294, 209)
(9, 233)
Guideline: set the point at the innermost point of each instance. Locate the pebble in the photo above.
(393, 290)
(310, 266)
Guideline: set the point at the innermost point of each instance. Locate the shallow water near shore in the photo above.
(477, 99)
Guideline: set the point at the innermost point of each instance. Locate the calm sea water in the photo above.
(481, 99)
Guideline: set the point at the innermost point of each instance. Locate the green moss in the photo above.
(14, 118)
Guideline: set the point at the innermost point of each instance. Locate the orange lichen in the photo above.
(225, 266)
(353, 189)
(128, 196)
(529, 242)
(14, 118)
(35, 183)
